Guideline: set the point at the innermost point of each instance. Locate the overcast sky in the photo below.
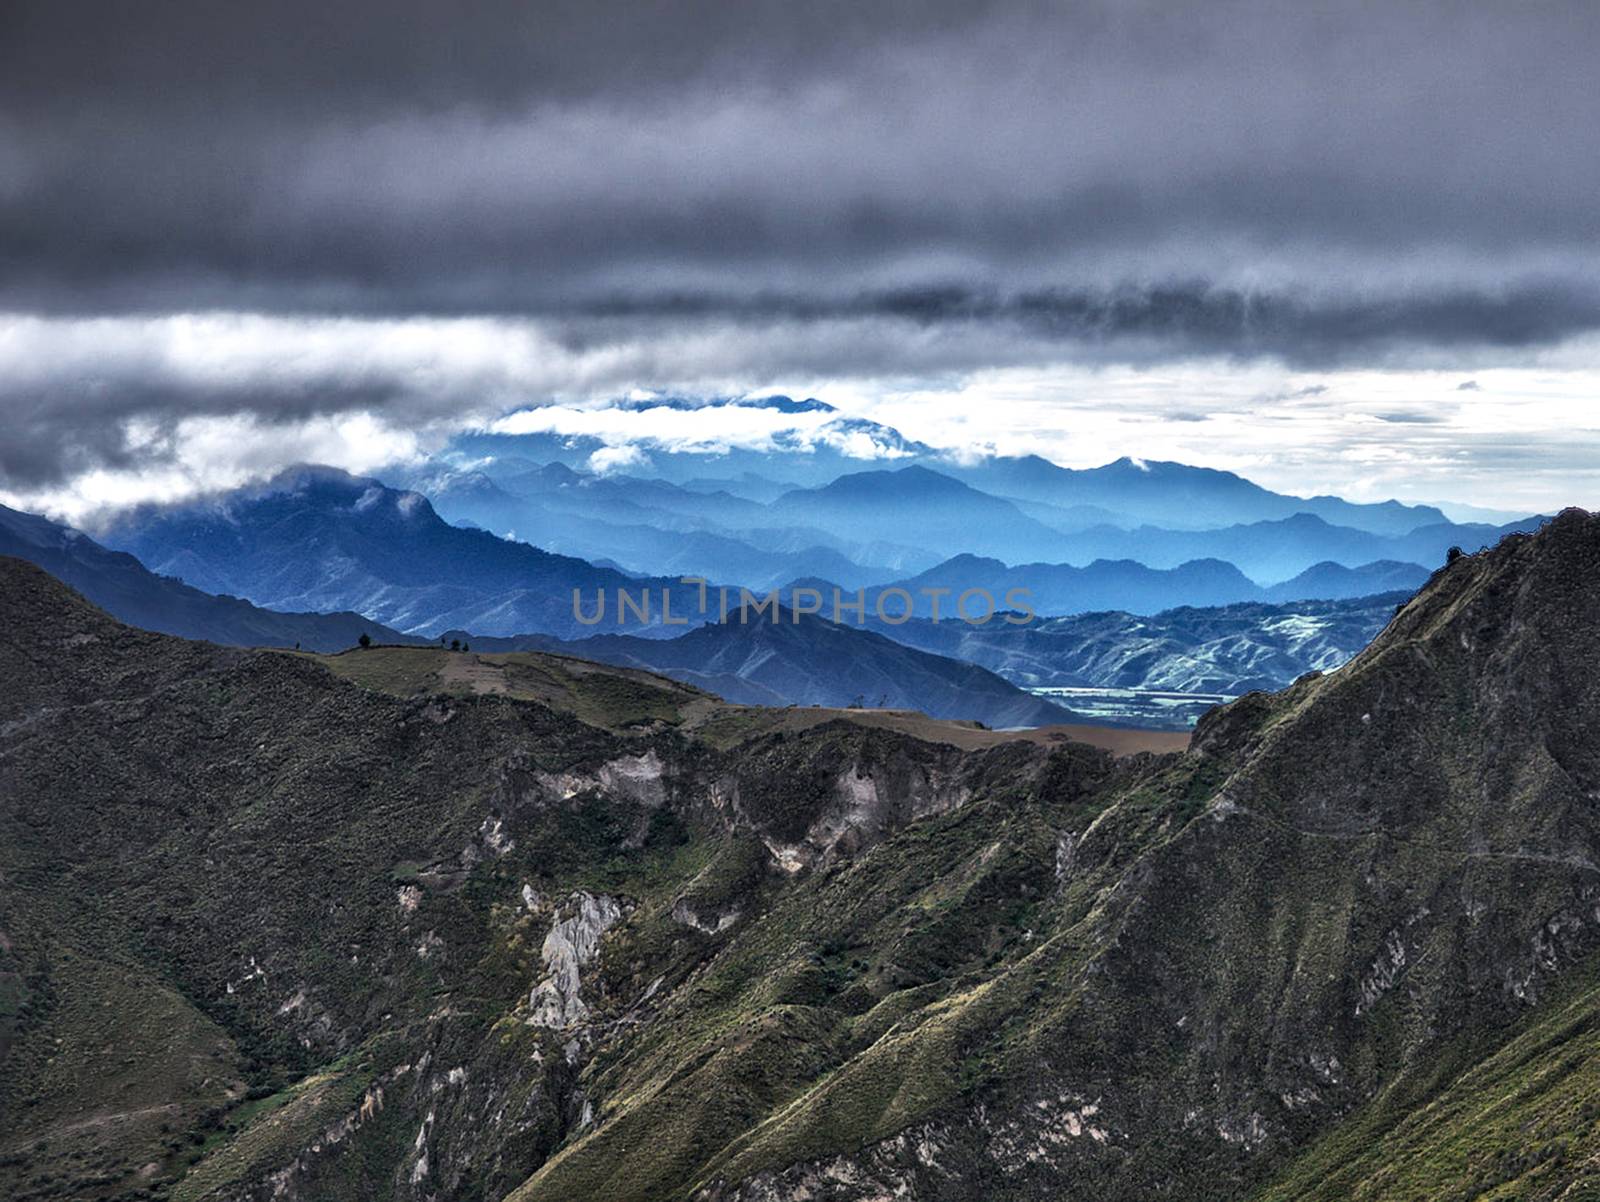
(1342, 247)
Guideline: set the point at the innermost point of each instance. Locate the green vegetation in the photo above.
(616, 699)
(1514, 1121)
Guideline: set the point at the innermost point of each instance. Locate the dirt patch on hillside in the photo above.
(464, 670)
(968, 736)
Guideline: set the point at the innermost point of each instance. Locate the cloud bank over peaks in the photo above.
(709, 426)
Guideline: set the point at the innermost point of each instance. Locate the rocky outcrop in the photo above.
(572, 945)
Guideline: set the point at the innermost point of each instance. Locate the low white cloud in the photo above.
(1527, 439)
(108, 412)
(706, 426)
(207, 454)
(617, 459)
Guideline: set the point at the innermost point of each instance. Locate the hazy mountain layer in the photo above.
(815, 662)
(892, 500)
(1274, 551)
(1128, 492)
(317, 538)
(1059, 589)
(323, 540)
(644, 524)
(763, 663)
(925, 508)
(882, 520)
(1177, 496)
(121, 585)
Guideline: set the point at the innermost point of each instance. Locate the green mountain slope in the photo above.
(271, 933)
(1520, 1121)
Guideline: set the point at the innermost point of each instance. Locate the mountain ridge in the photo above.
(1206, 497)
(120, 584)
(807, 963)
(806, 660)
(322, 538)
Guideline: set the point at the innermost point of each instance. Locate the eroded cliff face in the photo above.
(572, 945)
(431, 949)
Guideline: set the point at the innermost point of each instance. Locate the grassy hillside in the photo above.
(612, 698)
(1516, 1121)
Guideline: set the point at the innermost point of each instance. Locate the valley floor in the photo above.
(1153, 708)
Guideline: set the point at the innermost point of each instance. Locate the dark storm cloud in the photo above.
(728, 191)
(1332, 174)
(70, 427)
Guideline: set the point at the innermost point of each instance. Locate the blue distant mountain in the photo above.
(1279, 548)
(811, 661)
(320, 539)
(877, 525)
(948, 669)
(891, 506)
(766, 661)
(748, 485)
(1105, 584)
(926, 508)
(1121, 584)
(397, 565)
(656, 527)
(1179, 497)
(1133, 492)
(123, 587)
(492, 534)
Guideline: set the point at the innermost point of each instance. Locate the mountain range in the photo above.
(810, 661)
(803, 507)
(1230, 649)
(673, 530)
(1059, 589)
(316, 538)
(1277, 549)
(386, 563)
(1147, 492)
(270, 930)
(935, 512)
(120, 584)
(823, 444)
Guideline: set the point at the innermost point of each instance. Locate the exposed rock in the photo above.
(494, 836)
(1022, 973)
(712, 924)
(636, 777)
(572, 944)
